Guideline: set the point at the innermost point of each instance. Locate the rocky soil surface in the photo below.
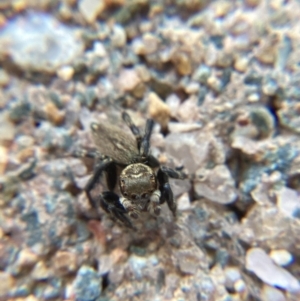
(222, 81)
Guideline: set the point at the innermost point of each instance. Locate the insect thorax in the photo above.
(137, 181)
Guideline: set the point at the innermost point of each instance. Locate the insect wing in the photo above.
(111, 141)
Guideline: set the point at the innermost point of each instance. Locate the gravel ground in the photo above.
(221, 79)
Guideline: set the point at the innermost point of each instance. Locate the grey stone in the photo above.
(270, 293)
(216, 184)
(87, 284)
(189, 260)
(194, 150)
(288, 201)
(30, 37)
(258, 262)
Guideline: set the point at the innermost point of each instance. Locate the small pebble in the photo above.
(214, 83)
(118, 255)
(183, 202)
(65, 12)
(40, 271)
(3, 159)
(156, 9)
(4, 78)
(65, 262)
(224, 60)
(87, 284)
(189, 260)
(129, 79)
(163, 159)
(188, 148)
(118, 36)
(146, 26)
(281, 257)
(25, 141)
(91, 9)
(26, 258)
(105, 264)
(241, 64)
(266, 52)
(254, 97)
(138, 47)
(150, 42)
(25, 154)
(216, 184)
(182, 63)
(137, 264)
(173, 101)
(276, 4)
(239, 286)
(54, 115)
(146, 45)
(3, 20)
(158, 110)
(66, 73)
(288, 201)
(270, 88)
(270, 293)
(38, 42)
(99, 49)
(232, 275)
(289, 116)
(188, 111)
(192, 88)
(201, 74)
(7, 130)
(19, 5)
(222, 8)
(258, 262)
(7, 282)
(177, 127)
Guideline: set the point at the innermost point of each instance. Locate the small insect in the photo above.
(143, 183)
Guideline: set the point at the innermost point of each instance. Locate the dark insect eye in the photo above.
(125, 194)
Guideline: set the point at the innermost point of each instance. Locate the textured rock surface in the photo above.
(221, 80)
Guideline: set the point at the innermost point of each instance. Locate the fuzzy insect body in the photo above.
(112, 142)
(143, 183)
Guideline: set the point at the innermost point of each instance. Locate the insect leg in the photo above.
(87, 153)
(102, 166)
(164, 186)
(110, 202)
(134, 129)
(166, 191)
(145, 143)
(152, 161)
(111, 176)
(154, 204)
(175, 174)
(132, 209)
